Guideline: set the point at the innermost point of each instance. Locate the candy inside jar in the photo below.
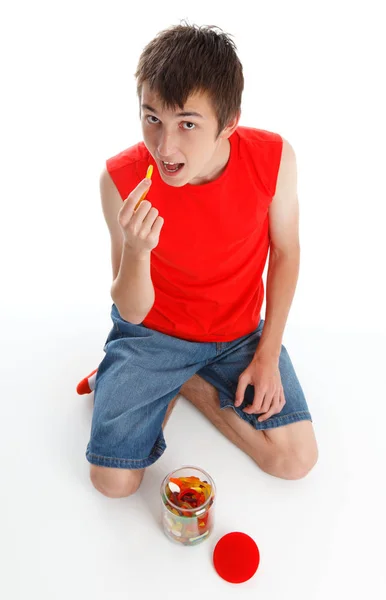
(188, 495)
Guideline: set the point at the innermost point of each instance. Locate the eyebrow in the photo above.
(180, 114)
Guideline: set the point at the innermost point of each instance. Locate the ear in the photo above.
(232, 125)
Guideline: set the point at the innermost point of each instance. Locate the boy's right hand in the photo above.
(141, 228)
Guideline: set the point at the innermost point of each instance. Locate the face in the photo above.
(186, 138)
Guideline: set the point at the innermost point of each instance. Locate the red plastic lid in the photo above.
(236, 557)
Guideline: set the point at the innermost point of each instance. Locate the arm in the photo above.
(284, 258)
(283, 268)
(132, 290)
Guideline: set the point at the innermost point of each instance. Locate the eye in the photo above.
(151, 117)
(188, 123)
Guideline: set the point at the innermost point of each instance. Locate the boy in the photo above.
(187, 271)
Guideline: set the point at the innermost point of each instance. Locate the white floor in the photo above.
(319, 537)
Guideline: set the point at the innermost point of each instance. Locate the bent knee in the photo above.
(299, 467)
(290, 465)
(115, 483)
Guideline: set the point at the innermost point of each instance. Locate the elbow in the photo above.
(127, 315)
(290, 252)
(130, 317)
(135, 319)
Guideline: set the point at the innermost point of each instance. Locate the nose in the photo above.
(167, 147)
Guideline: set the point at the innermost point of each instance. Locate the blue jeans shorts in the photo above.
(143, 370)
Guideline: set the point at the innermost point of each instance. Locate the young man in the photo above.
(187, 271)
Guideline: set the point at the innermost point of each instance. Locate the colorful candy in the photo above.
(188, 500)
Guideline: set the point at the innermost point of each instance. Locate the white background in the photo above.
(313, 73)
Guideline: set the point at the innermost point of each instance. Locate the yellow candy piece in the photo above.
(149, 173)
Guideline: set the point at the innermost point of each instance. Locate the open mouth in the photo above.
(171, 168)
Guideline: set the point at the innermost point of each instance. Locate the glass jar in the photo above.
(188, 506)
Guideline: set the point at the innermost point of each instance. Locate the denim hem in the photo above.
(126, 463)
(272, 422)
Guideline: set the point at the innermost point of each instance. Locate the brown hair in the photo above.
(185, 59)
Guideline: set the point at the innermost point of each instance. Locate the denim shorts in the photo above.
(143, 370)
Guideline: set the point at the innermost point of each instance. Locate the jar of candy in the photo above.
(188, 496)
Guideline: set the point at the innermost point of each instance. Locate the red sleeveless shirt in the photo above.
(208, 265)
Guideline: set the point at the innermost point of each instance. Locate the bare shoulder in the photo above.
(284, 208)
(111, 205)
(287, 175)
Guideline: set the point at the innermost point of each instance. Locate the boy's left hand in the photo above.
(264, 375)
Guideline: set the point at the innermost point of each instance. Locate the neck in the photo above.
(217, 164)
